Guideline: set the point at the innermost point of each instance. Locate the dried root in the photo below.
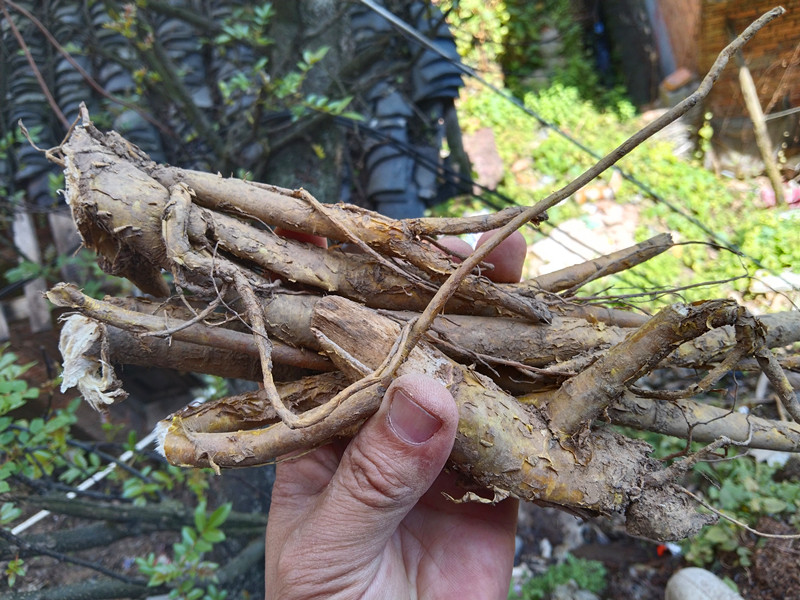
(533, 373)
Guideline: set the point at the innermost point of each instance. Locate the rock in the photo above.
(698, 584)
(571, 591)
(678, 79)
(764, 282)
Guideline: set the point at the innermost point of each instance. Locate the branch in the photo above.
(719, 513)
(239, 565)
(69, 296)
(583, 397)
(86, 77)
(41, 550)
(687, 419)
(87, 590)
(71, 540)
(572, 278)
(171, 516)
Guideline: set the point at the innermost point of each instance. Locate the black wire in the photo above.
(404, 30)
(466, 183)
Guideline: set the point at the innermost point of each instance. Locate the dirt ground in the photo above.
(640, 569)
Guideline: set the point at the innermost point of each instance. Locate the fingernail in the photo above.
(410, 421)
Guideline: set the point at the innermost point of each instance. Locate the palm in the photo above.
(441, 549)
(355, 529)
(458, 548)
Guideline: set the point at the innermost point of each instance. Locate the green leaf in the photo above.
(189, 536)
(200, 516)
(353, 116)
(717, 534)
(8, 512)
(213, 535)
(219, 516)
(744, 555)
(311, 57)
(164, 479)
(15, 568)
(773, 505)
(195, 594)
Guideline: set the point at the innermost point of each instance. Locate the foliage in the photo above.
(14, 434)
(525, 59)
(747, 491)
(538, 161)
(200, 90)
(588, 574)
(740, 487)
(31, 448)
(15, 568)
(96, 283)
(480, 28)
(189, 576)
(41, 452)
(240, 27)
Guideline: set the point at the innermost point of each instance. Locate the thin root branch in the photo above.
(719, 513)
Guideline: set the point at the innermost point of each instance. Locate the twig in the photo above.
(451, 349)
(678, 469)
(38, 549)
(185, 324)
(255, 314)
(606, 265)
(450, 286)
(451, 252)
(86, 77)
(89, 589)
(658, 292)
(729, 362)
(719, 513)
(352, 237)
(772, 369)
(167, 515)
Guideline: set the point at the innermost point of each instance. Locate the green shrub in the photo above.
(587, 574)
(747, 491)
(41, 452)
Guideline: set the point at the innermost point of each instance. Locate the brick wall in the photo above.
(682, 21)
(773, 56)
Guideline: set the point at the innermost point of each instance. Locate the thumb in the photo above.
(392, 462)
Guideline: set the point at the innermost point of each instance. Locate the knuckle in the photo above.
(376, 481)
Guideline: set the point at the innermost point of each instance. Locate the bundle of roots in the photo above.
(537, 375)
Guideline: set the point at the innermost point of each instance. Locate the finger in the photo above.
(456, 245)
(507, 258)
(388, 466)
(302, 237)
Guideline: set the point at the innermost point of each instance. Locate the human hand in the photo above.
(368, 519)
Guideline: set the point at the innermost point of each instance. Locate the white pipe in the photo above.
(85, 485)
